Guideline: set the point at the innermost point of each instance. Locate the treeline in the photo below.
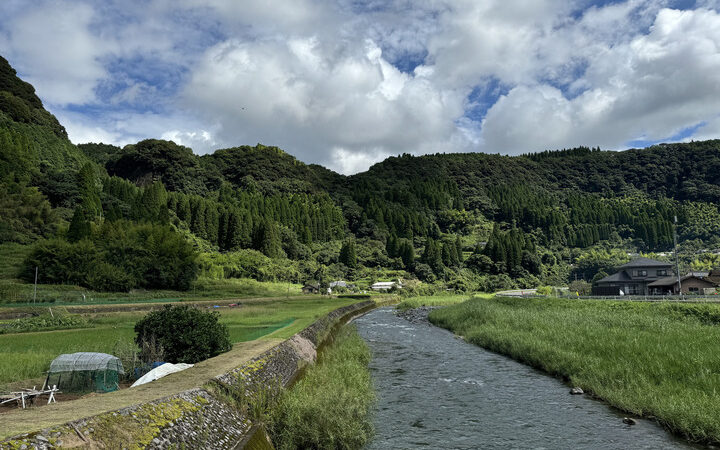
(583, 219)
(232, 219)
(117, 256)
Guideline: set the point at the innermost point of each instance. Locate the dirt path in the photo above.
(36, 418)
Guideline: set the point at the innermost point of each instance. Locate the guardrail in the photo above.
(633, 298)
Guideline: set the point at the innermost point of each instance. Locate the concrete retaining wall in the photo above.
(219, 414)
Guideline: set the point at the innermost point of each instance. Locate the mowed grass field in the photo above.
(653, 359)
(25, 356)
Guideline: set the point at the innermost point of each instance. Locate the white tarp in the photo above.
(161, 371)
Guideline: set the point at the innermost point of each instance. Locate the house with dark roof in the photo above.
(634, 278)
(692, 283)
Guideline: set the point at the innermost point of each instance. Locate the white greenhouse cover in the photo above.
(70, 362)
(161, 371)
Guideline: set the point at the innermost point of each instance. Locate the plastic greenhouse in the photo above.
(85, 372)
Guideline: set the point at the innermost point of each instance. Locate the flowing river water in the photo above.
(437, 391)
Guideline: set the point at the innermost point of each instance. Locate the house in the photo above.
(311, 288)
(341, 284)
(386, 285)
(691, 283)
(634, 278)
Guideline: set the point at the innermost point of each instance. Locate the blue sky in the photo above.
(346, 83)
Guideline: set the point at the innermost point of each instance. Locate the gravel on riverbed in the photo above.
(417, 315)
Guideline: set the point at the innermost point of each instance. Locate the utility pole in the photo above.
(35, 289)
(677, 260)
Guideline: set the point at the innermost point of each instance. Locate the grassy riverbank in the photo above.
(435, 300)
(330, 407)
(658, 360)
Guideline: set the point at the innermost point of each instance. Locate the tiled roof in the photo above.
(620, 276)
(645, 262)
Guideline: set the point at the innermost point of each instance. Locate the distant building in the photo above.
(340, 284)
(644, 276)
(634, 277)
(311, 288)
(386, 285)
(691, 284)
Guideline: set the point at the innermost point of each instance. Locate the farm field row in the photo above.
(26, 356)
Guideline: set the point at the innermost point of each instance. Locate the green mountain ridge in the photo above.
(465, 220)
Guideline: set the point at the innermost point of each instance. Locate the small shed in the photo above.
(310, 288)
(85, 372)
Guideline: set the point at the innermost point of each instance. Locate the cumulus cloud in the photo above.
(346, 83)
(56, 52)
(649, 88)
(299, 95)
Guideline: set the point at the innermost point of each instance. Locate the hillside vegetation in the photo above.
(101, 216)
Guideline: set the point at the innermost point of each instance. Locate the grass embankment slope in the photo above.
(330, 407)
(654, 360)
(25, 356)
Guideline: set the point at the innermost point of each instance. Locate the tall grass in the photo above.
(434, 300)
(330, 407)
(657, 360)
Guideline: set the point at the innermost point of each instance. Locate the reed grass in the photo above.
(330, 407)
(434, 300)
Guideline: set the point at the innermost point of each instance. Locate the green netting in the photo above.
(85, 381)
(85, 372)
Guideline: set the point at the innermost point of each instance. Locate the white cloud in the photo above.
(201, 140)
(56, 52)
(307, 99)
(649, 88)
(317, 77)
(349, 162)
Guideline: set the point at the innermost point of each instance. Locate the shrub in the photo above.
(581, 287)
(544, 290)
(186, 334)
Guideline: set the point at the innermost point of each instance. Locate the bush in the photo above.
(581, 287)
(186, 334)
(544, 290)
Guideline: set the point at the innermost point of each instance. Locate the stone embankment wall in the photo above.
(218, 415)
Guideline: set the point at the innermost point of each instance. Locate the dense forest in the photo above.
(155, 215)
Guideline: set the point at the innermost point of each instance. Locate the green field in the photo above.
(25, 356)
(654, 360)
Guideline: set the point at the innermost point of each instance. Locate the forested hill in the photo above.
(460, 221)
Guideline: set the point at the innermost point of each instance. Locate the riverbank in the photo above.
(330, 407)
(654, 360)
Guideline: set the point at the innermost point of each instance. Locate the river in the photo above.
(437, 391)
